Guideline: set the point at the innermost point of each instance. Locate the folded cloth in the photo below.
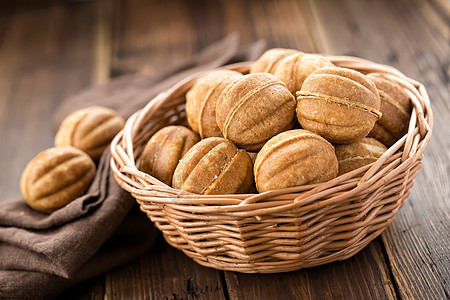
(41, 254)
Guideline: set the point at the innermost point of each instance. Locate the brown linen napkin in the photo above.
(41, 255)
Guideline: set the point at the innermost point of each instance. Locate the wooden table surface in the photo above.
(49, 50)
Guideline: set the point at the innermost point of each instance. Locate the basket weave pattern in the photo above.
(282, 230)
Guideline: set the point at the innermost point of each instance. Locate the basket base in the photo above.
(279, 266)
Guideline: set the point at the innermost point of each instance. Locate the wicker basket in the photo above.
(282, 230)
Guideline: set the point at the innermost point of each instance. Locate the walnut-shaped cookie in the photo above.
(269, 60)
(89, 129)
(56, 177)
(254, 108)
(340, 104)
(164, 149)
(214, 166)
(395, 108)
(294, 69)
(201, 101)
(353, 156)
(292, 158)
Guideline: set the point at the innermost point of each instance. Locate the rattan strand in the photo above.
(282, 230)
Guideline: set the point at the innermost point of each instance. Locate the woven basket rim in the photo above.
(421, 122)
(281, 230)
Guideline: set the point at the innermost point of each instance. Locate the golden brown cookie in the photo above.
(254, 108)
(342, 105)
(56, 177)
(214, 166)
(201, 101)
(90, 129)
(294, 69)
(292, 158)
(269, 60)
(353, 156)
(164, 149)
(395, 108)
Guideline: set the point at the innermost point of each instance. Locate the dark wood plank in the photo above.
(164, 273)
(48, 51)
(280, 23)
(418, 242)
(104, 28)
(91, 289)
(355, 278)
(413, 37)
(292, 28)
(151, 34)
(46, 54)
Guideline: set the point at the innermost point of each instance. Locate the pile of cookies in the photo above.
(59, 175)
(294, 119)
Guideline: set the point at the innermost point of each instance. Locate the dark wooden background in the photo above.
(49, 50)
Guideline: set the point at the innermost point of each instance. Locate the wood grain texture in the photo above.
(148, 35)
(413, 38)
(39, 67)
(151, 34)
(356, 278)
(103, 41)
(48, 51)
(93, 289)
(280, 23)
(164, 273)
